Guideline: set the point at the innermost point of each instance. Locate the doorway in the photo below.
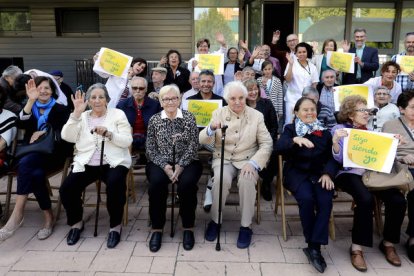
(278, 16)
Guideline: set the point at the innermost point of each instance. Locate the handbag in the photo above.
(44, 144)
(399, 177)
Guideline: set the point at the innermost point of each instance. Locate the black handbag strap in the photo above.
(406, 129)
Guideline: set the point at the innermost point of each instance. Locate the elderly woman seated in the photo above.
(405, 154)
(353, 113)
(306, 145)
(384, 110)
(87, 129)
(172, 146)
(247, 150)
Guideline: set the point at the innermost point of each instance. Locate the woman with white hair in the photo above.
(247, 150)
(172, 152)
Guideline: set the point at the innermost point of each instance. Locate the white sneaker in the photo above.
(6, 233)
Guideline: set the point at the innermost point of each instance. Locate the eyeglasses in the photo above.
(138, 88)
(169, 100)
(382, 94)
(362, 110)
(291, 40)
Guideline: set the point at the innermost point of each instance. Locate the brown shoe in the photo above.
(390, 254)
(357, 260)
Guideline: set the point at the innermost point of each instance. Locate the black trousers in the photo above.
(315, 206)
(395, 206)
(268, 173)
(410, 203)
(73, 186)
(186, 190)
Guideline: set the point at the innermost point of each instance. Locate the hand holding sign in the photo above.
(369, 150)
(113, 63)
(214, 62)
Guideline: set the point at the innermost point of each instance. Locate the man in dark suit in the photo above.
(366, 59)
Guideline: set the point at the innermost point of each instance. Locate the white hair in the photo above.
(12, 71)
(231, 86)
(172, 87)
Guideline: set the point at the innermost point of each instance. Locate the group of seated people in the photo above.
(258, 104)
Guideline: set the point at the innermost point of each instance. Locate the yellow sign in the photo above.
(368, 149)
(406, 63)
(348, 90)
(341, 62)
(202, 111)
(214, 62)
(113, 62)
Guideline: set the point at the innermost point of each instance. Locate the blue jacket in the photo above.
(371, 65)
(303, 163)
(149, 108)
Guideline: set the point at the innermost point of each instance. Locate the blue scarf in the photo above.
(42, 118)
(302, 129)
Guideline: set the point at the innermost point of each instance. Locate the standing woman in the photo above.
(272, 87)
(231, 66)
(320, 59)
(353, 113)
(172, 147)
(299, 73)
(86, 129)
(176, 73)
(41, 108)
(306, 145)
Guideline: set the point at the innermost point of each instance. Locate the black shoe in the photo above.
(74, 235)
(315, 258)
(155, 241)
(410, 250)
(266, 192)
(207, 208)
(188, 239)
(113, 239)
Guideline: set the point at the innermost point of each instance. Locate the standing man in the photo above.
(366, 59)
(277, 52)
(406, 81)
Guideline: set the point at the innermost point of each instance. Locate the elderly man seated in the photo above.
(247, 149)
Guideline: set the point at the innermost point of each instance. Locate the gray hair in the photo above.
(140, 78)
(381, 88)
(97, 86)
(165, 89)
(328, 71)
(248, 68)
(357, 30)
(310, 90)
(234, 85)
(11, 71)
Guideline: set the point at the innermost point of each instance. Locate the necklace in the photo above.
(308, 70)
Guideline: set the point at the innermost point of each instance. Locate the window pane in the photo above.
(378, 20)
(15, 20)
(254, 24)
(209, 21)
(216, 3)
(76, 20)
(407, 22)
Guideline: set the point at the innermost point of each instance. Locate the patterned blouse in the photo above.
(160, 133)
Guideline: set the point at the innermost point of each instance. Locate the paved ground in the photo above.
(269, 254)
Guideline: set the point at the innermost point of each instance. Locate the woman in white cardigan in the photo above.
(87, 129)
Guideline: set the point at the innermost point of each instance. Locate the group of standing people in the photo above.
(293, 92)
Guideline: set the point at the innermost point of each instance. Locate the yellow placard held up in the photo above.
(113, 62)
(343, 62)
(202, 111)
(214, 62)
(341, 92)
(368, 149)
(406, 63)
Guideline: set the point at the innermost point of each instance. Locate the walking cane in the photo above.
(98, 199)
(223, 138)
(173, 194)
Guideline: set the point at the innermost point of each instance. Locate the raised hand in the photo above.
(275, 37)
(289, 58)
(243, 45)
(163, 60)
(346, 46)
(241, 55)
(256, 51)
(315, 46)
(238, 76)
(31, 90)
(79, 103)
(220, 39)
(194, 63)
